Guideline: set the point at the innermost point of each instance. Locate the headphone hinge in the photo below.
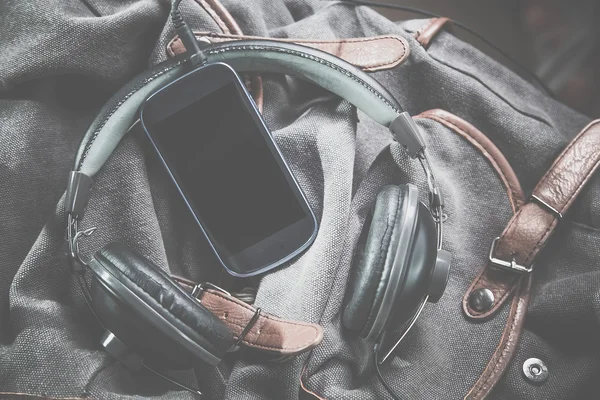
(407, 133)
(78, 194)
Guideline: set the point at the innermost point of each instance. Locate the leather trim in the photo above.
(267, 333)
(221, 16)
(369, 54)
(512, 331)
(487, 148)
(429, 31)
(229, 26)
(508, 344)
(514, 324)
(307, 391)
(531, 227)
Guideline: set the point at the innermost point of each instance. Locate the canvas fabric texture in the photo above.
(62, 59)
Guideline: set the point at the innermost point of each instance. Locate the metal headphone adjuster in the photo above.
(407, 133)
(201, 287)
(76, 199)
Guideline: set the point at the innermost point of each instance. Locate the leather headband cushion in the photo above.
(316, 66)
(374, 260)
(155, 288)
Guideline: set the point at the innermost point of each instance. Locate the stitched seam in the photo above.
(220, 23)
(564, 153)
(552, 224)
(214, 13)
(500, 302)
(569, 201)
(491, 90)
(265, 316)
(309, 57)
(171, 51)
(91, 140)
(392, 62)
(387, 253)
(539, 244)
(349, 40)
(362, 40)
(224, 50)
(474, 284)
(433, 21)
(305, 388)
(510, 190)
(503, 354)
(424, 27)
(583, 183)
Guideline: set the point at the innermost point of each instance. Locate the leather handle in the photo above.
(370, 54)
(530, 228)
(256, 329)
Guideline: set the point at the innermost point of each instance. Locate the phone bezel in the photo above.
(273, 250)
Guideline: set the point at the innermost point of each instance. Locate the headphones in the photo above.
(149, 316)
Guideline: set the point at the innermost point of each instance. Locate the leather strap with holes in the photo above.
(254, 328)
(531, 227)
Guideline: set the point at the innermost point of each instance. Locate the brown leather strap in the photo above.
(258, 329)
(428, 31)
(487, 148)
(508, 344)
(229, 26)
(531, 227)
(370, 53)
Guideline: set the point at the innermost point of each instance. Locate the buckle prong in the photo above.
(199, 288)
(508, 265)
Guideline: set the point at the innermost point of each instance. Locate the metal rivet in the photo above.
(535, 370)
(481, 300)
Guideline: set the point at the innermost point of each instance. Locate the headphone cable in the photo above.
(378, 372)
(185, 33)
(465, 27)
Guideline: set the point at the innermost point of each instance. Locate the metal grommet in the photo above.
(535, 370)
(481, 300)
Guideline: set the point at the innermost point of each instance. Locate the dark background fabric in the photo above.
(62, 59)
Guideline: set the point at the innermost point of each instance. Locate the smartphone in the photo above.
(223, 160)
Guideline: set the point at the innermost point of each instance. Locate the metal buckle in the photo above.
(199, 288)
(509, 265)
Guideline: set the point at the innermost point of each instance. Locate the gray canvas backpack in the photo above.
(494, 141)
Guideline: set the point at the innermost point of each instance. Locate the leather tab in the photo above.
(267, 332)
(430, 30)
(530, 228)
(369, 54)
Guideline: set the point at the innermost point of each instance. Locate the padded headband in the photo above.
(316, 66)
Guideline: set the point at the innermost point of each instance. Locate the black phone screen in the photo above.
(227, 171)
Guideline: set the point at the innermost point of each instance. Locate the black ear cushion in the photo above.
(156, 289)
(422, 262)
(374, 259)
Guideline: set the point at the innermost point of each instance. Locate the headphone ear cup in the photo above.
(152, 315)
(420, 279)
(394, 265)
(374, 260)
